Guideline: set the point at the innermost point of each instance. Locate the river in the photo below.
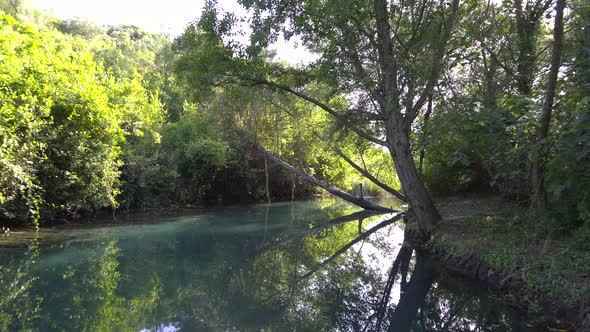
(303, 266)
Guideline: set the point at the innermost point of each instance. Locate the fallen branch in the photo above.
(338, 193)
(371, 178)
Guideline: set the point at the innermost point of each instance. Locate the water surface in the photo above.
(303, 266)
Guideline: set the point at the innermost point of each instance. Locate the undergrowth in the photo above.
(542, 269)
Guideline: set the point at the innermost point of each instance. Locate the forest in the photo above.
(428, 101)
(105, 118)
(489, 98)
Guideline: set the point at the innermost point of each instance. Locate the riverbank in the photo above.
(494, 241)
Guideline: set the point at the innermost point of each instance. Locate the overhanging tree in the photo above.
(386, 57)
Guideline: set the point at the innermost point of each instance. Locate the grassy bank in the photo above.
(499, 243)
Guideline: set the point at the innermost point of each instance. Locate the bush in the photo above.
(568, 177)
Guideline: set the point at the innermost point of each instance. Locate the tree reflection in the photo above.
(350, 295)
(18, 308)
(110, 310)
(274, 268)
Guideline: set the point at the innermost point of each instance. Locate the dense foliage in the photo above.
(93, 117)
(503, 109)
(410, 98)
(61, 125)
(484, 135)
(99, 117)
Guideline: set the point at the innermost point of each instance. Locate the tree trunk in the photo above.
(266, 184)
(413, 299)
(418, 197)
(338, 193)
(425, 124)
(537, 176)
(527, 21)
(526, 37)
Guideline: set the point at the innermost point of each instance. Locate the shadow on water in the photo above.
(307, 266)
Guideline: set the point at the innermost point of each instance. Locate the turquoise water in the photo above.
(300, 266)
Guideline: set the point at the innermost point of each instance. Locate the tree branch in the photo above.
(323, 106)
(437, 63)
(362, 73)
(386, 54)
(338, 193)
(368, 175)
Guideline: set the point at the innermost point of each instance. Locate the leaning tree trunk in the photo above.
(338, 193)
(266, 184)
(537, 176)
(424, 126)
(418, 197)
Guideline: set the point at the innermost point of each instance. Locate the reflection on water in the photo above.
(307, 266)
